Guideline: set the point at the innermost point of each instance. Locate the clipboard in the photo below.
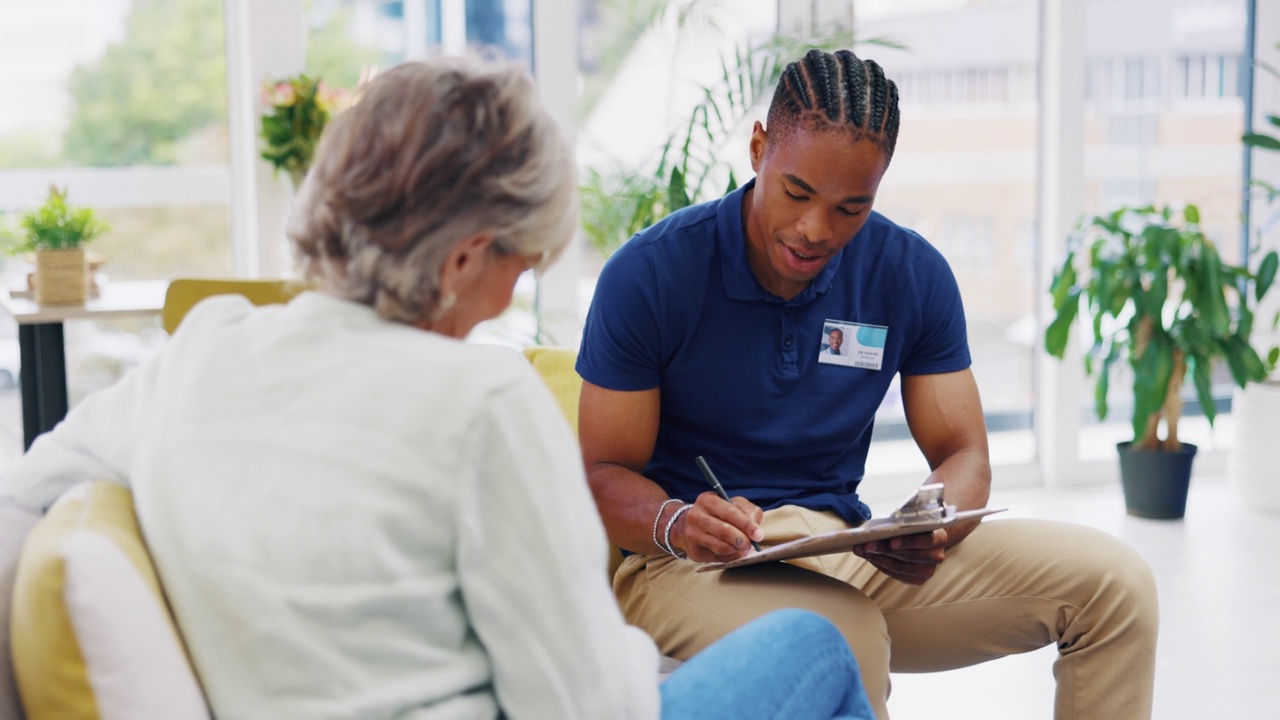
(924, 511)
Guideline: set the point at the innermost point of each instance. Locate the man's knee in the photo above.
(1129, 588)
(1111, 583)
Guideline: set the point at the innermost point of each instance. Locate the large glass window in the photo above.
(122, 103)
(347, 39)
(1163, 119)
(346, 36)
(964, 177)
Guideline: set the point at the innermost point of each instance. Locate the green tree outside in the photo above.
(164, 81)
(334, 57)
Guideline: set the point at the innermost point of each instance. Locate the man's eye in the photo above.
(792, 195)
(849, 213)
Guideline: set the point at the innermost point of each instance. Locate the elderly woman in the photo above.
(354, 513)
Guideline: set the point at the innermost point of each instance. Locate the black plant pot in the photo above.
(1156, 482)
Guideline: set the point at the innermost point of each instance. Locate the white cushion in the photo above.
(136, 667)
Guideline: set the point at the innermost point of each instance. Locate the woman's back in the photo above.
(301, 480)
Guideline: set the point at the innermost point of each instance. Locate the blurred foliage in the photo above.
(30, 149)
(333, 55)
(1266, 141)
(619, 201)
(10, 235)
(152, 242)
(163, 81)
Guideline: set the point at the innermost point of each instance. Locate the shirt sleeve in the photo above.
(942, 344)
(96, 441)
(532, 566)
(621, 339)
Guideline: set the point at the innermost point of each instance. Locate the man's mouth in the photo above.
(801, 260)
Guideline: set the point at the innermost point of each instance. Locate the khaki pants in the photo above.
(1012, 586)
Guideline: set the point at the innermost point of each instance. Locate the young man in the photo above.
(790, 253)
(835, 339)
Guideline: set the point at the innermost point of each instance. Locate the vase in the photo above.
(60, 277)
(1255, 455)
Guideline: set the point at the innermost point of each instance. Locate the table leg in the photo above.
(43, 377)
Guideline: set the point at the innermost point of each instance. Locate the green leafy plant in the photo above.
(618, 202)
(298, 108)
(57, 225)
(1157, 295)
(1265, 141)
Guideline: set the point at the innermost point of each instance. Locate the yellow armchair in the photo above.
(555, 365)
(184, 293)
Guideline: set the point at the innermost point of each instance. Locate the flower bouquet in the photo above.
(297, 109)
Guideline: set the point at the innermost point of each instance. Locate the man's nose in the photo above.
(815, 225)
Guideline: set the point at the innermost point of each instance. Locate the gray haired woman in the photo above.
(356, 514)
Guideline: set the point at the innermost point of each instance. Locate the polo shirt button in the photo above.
(788, 341)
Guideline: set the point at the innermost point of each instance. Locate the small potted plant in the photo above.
(296, 112)
(56, 232)
(1154, 292)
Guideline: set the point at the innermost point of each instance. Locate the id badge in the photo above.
(853, 344)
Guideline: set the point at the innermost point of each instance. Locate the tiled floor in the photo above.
(1218, 573)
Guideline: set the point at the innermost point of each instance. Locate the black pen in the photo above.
(715, 485)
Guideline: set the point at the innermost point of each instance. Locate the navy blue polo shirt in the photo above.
(745, 377)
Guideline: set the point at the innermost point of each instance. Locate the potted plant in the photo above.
(56, 232)
(1155, 293)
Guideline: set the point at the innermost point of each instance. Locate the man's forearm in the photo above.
(628, 503)
(966, 476)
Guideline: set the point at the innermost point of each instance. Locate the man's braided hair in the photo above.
(836, 91)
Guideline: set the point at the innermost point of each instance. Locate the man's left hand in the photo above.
(911, 559)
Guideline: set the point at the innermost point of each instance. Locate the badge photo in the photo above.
(853, 344)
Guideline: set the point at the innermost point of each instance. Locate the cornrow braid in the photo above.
(796, 96)
(855, 83)
(877, 86)
(824, 89)
(825, 75)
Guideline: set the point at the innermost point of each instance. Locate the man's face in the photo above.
(835, 339)
(814, 190)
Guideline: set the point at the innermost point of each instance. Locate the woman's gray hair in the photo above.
(432, 153)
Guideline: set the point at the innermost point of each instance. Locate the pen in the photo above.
(715, 485)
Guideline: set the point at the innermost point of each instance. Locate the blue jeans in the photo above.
(786, 664)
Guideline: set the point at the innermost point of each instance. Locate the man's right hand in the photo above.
(716, 530)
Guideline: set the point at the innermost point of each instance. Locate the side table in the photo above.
(43, 353)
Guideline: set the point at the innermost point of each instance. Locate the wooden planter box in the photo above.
(60, 277)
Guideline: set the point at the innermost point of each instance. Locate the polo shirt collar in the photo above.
(739, 282)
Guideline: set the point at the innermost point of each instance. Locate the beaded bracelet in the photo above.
(666, 536)
(657, 518)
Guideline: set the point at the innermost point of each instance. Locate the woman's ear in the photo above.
(464, 263)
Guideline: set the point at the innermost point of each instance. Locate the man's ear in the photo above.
(465, 262)
(759, 143)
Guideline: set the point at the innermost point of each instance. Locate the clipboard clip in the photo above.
(924, 505)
